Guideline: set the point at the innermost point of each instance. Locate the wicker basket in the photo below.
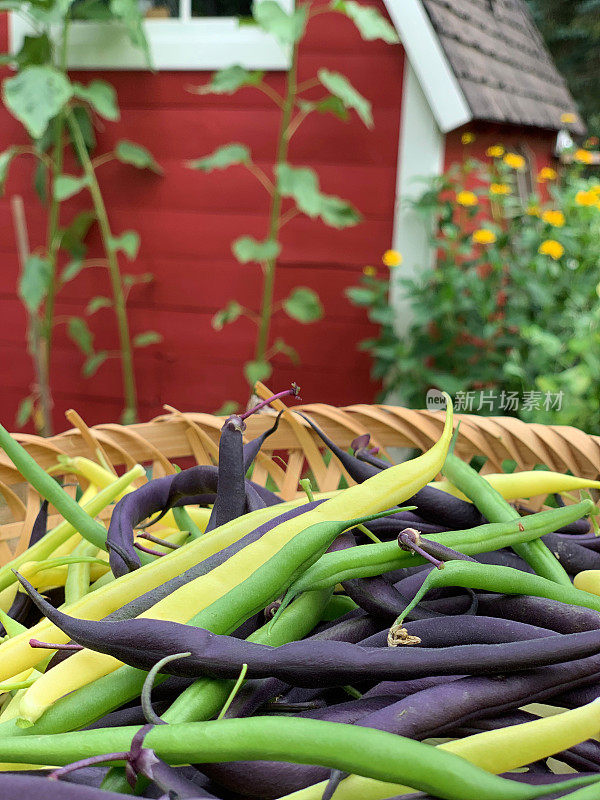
(295, 447)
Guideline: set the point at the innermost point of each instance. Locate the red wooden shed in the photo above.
(477, 65)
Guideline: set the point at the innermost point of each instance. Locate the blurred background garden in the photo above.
(370, 199)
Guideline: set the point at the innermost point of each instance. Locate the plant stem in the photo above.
(126, 351)
(266, 309)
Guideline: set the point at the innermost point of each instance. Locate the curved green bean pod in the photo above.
(495, 508)
(77, 584)
(364, 751)
(471, 575)
(368, 560)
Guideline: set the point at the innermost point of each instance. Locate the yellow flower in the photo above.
(392, 258)
(589, 198)
(547, 174)
(533, 211)
(568, 118)
(369, 271)
(583, 156)
(495, 151)
(595, 190)
(466, 198)
(552, 248)
(514, 160)
(499, 188)
(484, 236)
(467, 138)
(554, 218)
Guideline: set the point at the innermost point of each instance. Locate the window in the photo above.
(183, 34)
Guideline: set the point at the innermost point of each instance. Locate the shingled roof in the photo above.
(501, 63)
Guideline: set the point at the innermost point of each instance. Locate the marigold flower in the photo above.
(514, 160)
(589, 198)
(552, 248)
(583, 156)
(495, 151)
(466, 198)
(467, 137)
(392, 258)
(499, 188)
(533, 211)
(369, 271)
(554, 218)
(547, 174)
(484, 236)
(568, 118)
(591, 142)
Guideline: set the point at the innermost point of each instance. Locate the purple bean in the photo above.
(503, 558)
(540, 611)
(252, 448)
(18, 787)
(142, 642)
(571, 555)
(231, 490)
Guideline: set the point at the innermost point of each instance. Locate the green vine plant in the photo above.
(292, 189)
(59, 117)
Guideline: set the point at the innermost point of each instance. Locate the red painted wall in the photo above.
(187, 220)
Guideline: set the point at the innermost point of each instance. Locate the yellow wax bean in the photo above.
(496, 751)
(529, 483)
(17, 655)
(378, 493)
(7, 596)
(588, 580)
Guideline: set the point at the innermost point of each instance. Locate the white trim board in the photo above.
(427, 57)
(175, 44)
(421, 152)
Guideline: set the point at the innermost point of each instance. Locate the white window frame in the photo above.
(185, 43)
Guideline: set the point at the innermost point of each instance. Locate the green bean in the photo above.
(363, 751)
(369, 560)
(471, 575)
(78, 574)
(495, 508)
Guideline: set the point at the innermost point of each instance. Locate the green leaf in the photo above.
(49, 13)
(72, 269)
(96, 303)
(96, 10)
(229, 80)
(93, 363)
(5, 160)
(79, 332)
(287, 28)
(35, 50)
(132, 280)
(229, 407)
(340, 87)
(128, 242)
(328, 105)
(73, 235)
(101, 96)
(247, 249)
(369, 22)
(303, 305)
(128, 11)
(86, 126)
(147, 338)
(36, 95)
(34, 282)
(226, 315)
(66, 186)
(302, 184)
(257, 371)
(360, 296)
(24, 411)
(131, 153)
(280, 346)
(223, 157)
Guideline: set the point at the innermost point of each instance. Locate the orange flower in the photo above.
(515, 161)
(392, 258)
(466, 198)
(583, 156)
(484, 236)
(499, 188)
(588, 198)
(547, 174)
(552, 248)
(554, 218)
(467, 137)
(495, 151)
